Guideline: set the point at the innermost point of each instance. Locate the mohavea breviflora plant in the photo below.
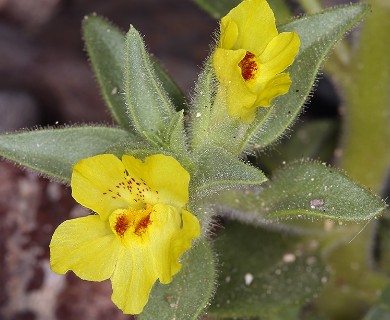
(156, 180)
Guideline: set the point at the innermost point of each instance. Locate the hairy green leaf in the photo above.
(171, 87)
(105, 47)
(263, 273)
(149, 106)
(217, 169)
(303, 189)
(190, 291)
(53, 152)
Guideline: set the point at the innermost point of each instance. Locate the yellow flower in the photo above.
(140, 231)
(250, 58)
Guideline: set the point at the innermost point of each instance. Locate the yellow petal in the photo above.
(140, 264)
(94, 184)
(239, 98)
(256, 25)
(133, 279)
(182, 239)
(171, 233)
(278, 85)
(225, 63)
(279, 54)
(162, 174)
(86, 246)
(229, 33)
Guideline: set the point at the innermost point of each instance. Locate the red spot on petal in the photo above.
(121, 225)
(248, 66)
(142, 225)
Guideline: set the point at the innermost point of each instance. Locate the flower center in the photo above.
(142, 225)
(127, 223)
(121, 224)
(248, 66)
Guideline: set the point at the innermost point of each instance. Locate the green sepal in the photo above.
(216, 169)
(190, 291)
(263, 273)
(210, 124)
(54, 151)
(302, 189)
(105, 45)
(330, 26)
(148, 104)
(201, 105)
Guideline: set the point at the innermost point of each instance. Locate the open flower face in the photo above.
(251, 57)
(140, 230)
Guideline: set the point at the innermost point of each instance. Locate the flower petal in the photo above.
(279, 54)
(239, 98)
(278, 85)
(94, 184)
(133, 279)
(171, 234)
(162, 174)
(86, 246)
(256, 25)
(229, 33)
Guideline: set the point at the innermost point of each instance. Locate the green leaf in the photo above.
(217, 170)
(303, 189)
(171, 143)
(318, 34)
(219, 8)
(263, 273)
(105, 47)
(53, 152)
(148, 104)
(189, 293)
(174, 92)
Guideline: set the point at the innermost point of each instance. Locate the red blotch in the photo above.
(142, 225)
(121, 225)
(248, 66)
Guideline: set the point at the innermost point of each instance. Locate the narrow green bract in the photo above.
(53, 152)
(149, 106)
